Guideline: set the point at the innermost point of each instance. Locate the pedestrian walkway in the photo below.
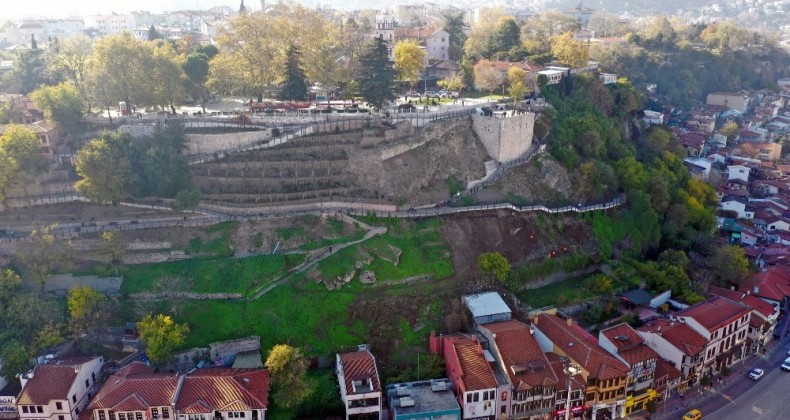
(723, 391)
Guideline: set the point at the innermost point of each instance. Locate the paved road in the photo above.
(769, 398)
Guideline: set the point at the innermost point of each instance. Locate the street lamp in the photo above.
(571, 371)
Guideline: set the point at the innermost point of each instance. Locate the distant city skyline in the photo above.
(60, 9)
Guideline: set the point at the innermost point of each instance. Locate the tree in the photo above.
(570, 50)
(29, 71)
(88, 308)
(21, 145)
(487, 76)
(539, 30)
(153, 34)
(48, 254)
(658, 31)
(516, 76)
(187, 199)
(120, 70)
(111, 247)
(8, 171)
(453, 84)
(168, 81)
(288, 369)
(607, 25)
(50, 335)
(376, 74)
(15, 359)
(294, 87)
(105, 169)
(70, 60)
(730, 266)
(505, 37)
(409, 60)
(730, 130)
(330, 68)
(493, 265)
(477, 42)
(453, 24)
(161, 336)
(62, 104)
(196, 69)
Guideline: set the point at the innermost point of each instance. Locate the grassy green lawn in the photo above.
(565, 292)
(209, 275)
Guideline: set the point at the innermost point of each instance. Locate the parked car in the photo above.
(756, 373)
(786, 364)
(413, 94)
(430, 93)
(448, 94)
(6, 233)
(693, 415)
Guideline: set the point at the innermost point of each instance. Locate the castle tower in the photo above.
(385, 29)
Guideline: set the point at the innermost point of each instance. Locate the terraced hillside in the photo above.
(370, 162)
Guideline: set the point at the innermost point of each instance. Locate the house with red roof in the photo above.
(135, 392)
(533, 382)
(469, 367)
(573, 383)
(678, 344)
(624, 343)
(773, 285)
(605, 375)
(360, 386)
(764, 318)
(724, 324)
(59, 389)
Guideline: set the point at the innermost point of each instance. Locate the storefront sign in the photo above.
(574, 410)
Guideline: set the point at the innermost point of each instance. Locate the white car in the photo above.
(786, 364)
(756, 374)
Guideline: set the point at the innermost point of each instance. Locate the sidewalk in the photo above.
(720, 394)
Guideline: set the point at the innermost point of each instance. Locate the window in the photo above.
(59, 405)
(476, 397)
(24, 408)
(61, 418)
(154, 413)
(121, 416)
(102, 416)
(112, 415)
(165, 413)
(39, 409)
(138, 415)
(87, 384)
(469, 398)
(74, 398)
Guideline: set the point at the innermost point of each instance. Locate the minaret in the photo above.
(263, 5)
(242, 9)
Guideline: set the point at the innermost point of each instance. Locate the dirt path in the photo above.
(320, 255)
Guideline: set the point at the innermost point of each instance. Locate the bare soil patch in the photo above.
(522, 238)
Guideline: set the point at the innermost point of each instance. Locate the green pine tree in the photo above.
(294, 88)
(376, 74)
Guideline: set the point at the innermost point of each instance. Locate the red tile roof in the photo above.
(136, 387)
(630, 345)
(773, 284)
(728, 293)
(525, 363)
(477, 373)
(133, 385)
(716, 312)
(52, 381)
(666, 368)
(589, 355)
(224, 390)
(359, 365)
(759, 305)
(678, 334)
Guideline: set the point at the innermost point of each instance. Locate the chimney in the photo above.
(756, 289)
(569, 320)
(535, 319)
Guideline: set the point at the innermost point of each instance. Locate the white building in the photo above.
(738, 205)
(738, 172)
(358, 379)
(60, 389)
(110, 24)
(724, 324)
(437, 45)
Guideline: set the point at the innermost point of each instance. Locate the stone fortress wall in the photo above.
(505, 138)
